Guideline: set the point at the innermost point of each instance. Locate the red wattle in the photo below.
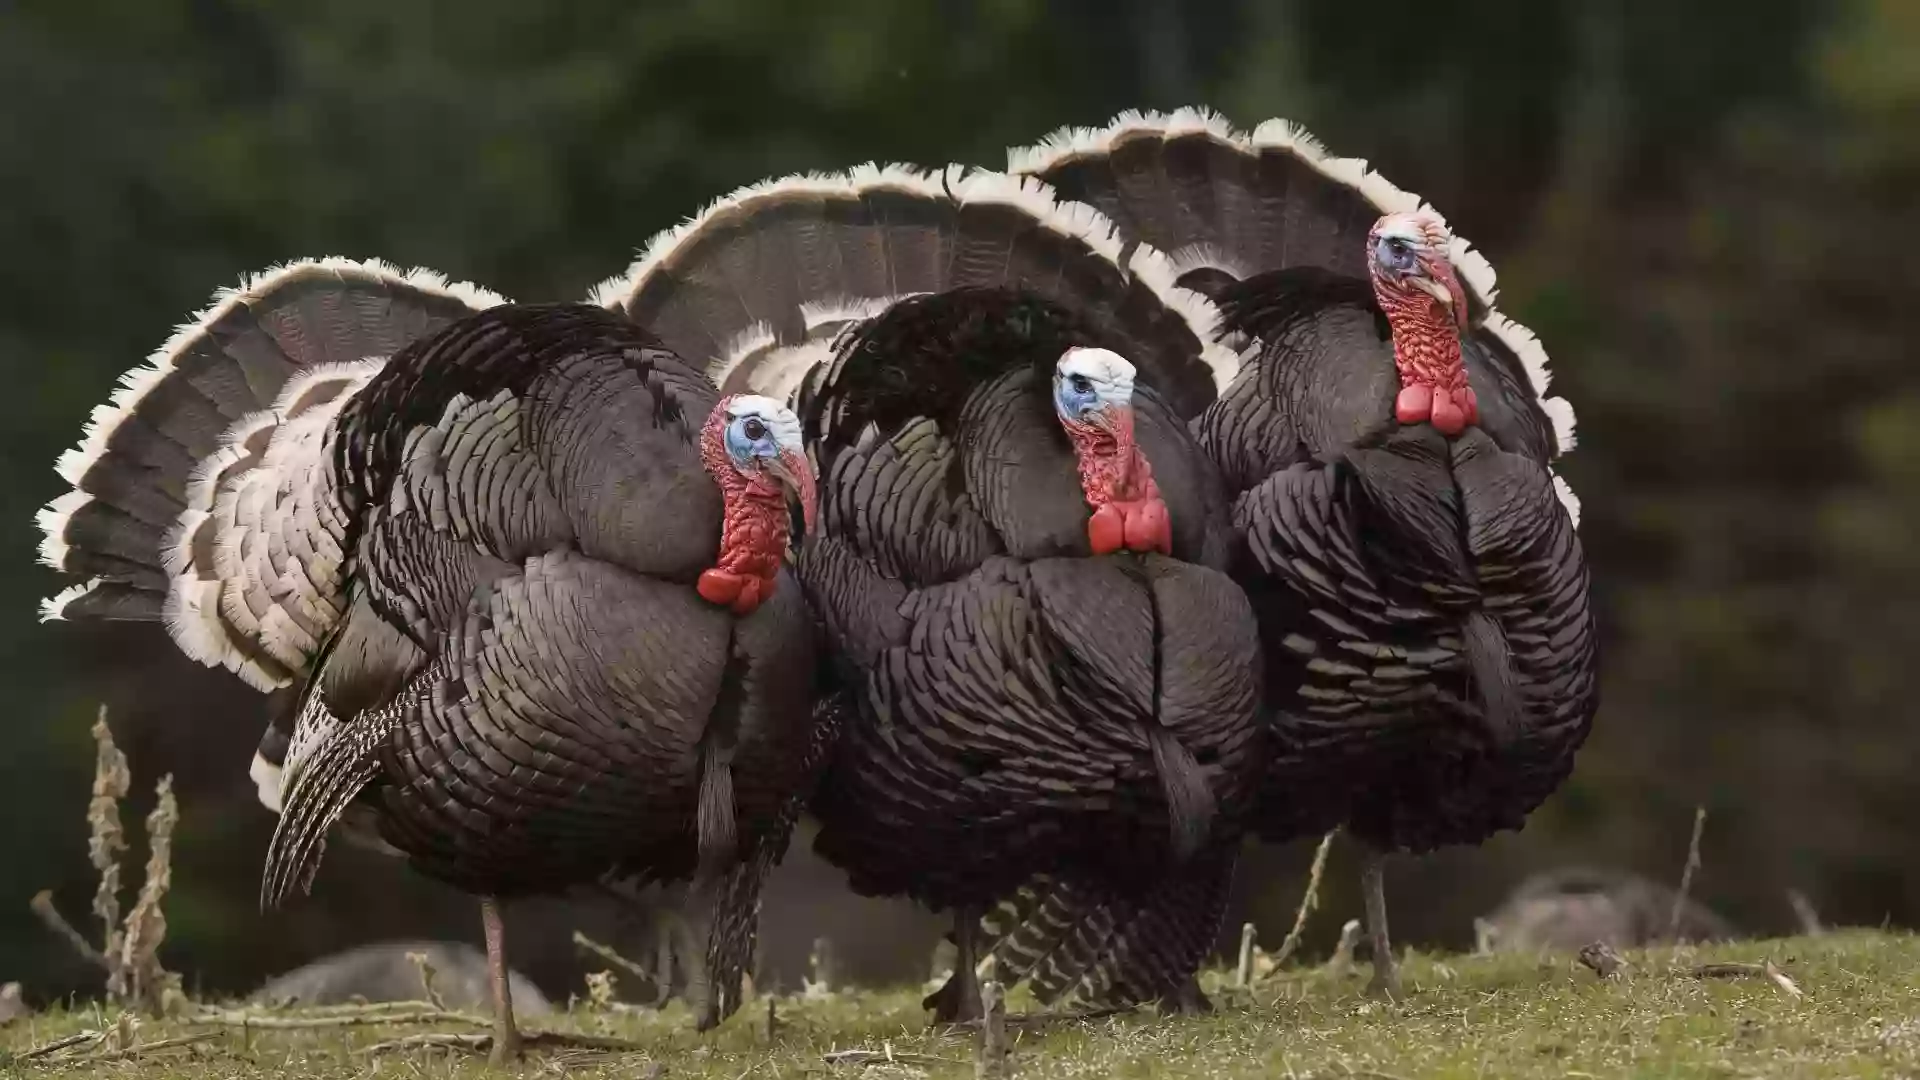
(720, 587)
(1414, 405)
(1449, 417)
(1471, 401)
(741, 593)
(1149, 528)
(1107, 530)
(752, 591)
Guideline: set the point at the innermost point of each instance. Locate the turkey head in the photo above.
(1093, 394)
(1425, 304)
(751, 445)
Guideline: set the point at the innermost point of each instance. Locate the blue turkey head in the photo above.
(762, 441)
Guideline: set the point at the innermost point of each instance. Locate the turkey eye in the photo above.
(1081, 384)
(754, 428)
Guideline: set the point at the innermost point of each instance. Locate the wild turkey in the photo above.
(1411, 555)
(522, 563)
(993, 392)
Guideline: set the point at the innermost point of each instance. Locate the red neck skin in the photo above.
(1128, 513)
(1426, 350)
(753, 529)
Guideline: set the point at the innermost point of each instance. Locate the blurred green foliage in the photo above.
(1704, 212)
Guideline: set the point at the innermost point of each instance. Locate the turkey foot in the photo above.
(1386, 971)
(1138, 525)
(958, 1002)
(740, 592)
(1187, 999)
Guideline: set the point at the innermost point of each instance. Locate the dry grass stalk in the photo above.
(1243, 971)
(990, 1056)
(600, 990)
(822, 972)
(423, 964)
(1804, 912)
(1308, 902)
(1686, 874)
(1340, 964)
(42, 905)
(106, 841)
(130, 948)
(143, 980)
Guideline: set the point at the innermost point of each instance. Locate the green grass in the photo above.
(1507, 1016)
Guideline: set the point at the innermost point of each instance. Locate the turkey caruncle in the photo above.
(523, 564)
(1021, 550)
(1412, 558)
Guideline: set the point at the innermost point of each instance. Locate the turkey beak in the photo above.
(1440, 282)
(1115, 420)
(796, 476)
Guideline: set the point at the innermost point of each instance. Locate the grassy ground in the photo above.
(1859, 1015)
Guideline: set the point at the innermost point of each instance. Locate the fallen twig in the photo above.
(337, 1016)
(482, 1042)
(1686, 874)
(57, 1045)
(606, 953)
(1043, 1018)
(885, 1056)
(158, 1044)
(1765, 970)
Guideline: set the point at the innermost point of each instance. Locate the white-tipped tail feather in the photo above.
(213, 508)
(954, 185)
(1068, 145)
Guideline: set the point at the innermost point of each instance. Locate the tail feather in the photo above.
(758, 285)
(1109, 945)
(201, 491)
(337, 760)
(1220, 201)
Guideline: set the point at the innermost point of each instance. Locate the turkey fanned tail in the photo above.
(758, 286)
(203, 493)
(1228, 205)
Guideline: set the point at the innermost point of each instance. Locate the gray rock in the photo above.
(382, 972)
(1574, 907)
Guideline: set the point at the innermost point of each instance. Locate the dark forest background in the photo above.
(1708, 212)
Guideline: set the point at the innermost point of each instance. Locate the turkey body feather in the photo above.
(1014, 704)
(475, 559)
(1422, 598)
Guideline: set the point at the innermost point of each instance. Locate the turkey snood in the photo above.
(1093, 394)
(1414, 282)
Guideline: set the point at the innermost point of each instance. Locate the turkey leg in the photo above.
(959, 1000)
(506, 1037)
(1386, 972)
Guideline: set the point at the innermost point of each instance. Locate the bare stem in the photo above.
(1686, 874)
(42, 904)
(1308, 902)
